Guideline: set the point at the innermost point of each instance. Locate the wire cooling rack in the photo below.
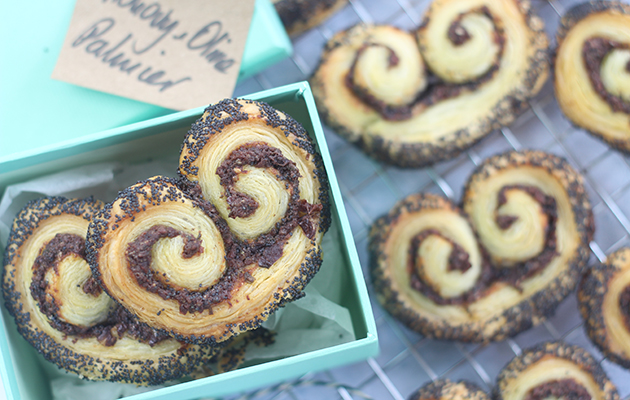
(408, 360)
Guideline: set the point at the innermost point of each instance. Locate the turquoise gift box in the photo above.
(37, 111)
(21, 367)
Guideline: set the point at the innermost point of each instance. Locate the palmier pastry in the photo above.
(239, 236)
(554, 371)
(60, 309)
(495, 268)
(301, 15)
(444, 389)
(412, 100)
(604, 296)
(592, 70)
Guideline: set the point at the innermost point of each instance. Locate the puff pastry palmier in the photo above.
(495, 268)
(554, 371)
(60, 309)
(444, 389)
(592, 70)
(414, 99)
(213, 254)
(604, 296)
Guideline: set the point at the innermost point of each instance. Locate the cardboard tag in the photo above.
(174, 54)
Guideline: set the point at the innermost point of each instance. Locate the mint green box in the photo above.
(37, 111)
(20, 366)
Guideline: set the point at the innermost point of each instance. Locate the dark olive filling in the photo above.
(118, 322)
(459, 259)
(263, 251)
(91, 287)
(437, 90)
(624, 304)
(567, 389)
(593, 52)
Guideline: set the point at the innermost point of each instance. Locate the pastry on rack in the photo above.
(592, 70)
(554, 371)
(412, 99)
(215, 253)
(444, 389)
(61, 310)
(300, 15)
(494, 268)
(604, 296)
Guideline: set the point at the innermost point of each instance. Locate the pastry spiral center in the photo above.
(527, 219)
(168, 255)
(524, 215)
(474, 46)
(608, 65)
(262, 157)
(561, 389)
(74, 304)
(440, 267)
(297, 212)
(388, 74)
(197, 288)
(63, 286)
(616, 73)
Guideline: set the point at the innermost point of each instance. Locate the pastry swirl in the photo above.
(592, 70)
(444, 389)
(520, 241)
(554, 370)
(412, 99)
(214, 253)
(604, 297)
(61, 310)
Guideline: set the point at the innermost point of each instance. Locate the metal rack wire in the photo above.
(408, 360)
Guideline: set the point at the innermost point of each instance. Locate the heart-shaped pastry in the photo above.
(414, 98)
(496, 266)
(213, 254)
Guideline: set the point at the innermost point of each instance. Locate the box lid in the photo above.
(37, 111)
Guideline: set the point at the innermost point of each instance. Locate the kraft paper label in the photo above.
(174, 54)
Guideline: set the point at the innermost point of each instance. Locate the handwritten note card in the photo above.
(175, 54)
